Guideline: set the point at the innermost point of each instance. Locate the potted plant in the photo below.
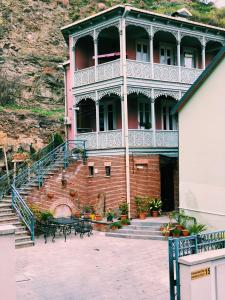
(125, 222)
(87, 211)
(196, 228)
(123, 208)
(176, 233)
(50, 195)
(109, 216)
(72, 193)
(155, 207)
(115, 225)
(185, 232)
(141, 204)
(98, 217)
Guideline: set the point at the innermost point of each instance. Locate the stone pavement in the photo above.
(95, 268)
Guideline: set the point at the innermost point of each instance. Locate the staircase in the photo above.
(13, 208)
(139, 230)
(8, 216)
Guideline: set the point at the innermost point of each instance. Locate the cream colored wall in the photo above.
(202, 152)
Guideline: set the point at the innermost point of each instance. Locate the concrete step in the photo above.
(7, 220)
(22, 238)
(147, 223)
(6, 214)
(139, 232)
(135, 236)
(150, 227)
(24, 244)
(5, 205)
(6, 201)
(22, 233)
(20, 228)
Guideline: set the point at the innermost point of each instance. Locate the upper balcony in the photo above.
(162, 56)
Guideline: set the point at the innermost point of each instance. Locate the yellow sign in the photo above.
(200, 273)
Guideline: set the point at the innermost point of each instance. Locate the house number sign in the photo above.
(200, 273)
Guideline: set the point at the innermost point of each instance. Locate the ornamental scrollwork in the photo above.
(136, 90)
(114, 24)
(115, 91)
(147, 28)
(79, 98)
(198, 37)
(173, 94)
(173, 32)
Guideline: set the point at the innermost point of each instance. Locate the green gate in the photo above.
(184, 246)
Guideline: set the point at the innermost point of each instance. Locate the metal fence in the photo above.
(179, 247)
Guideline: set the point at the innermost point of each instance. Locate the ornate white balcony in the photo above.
(137, 138)
(136, 69)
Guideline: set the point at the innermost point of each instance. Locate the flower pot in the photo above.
(77, 214)
(166, 234)
(142, 215)
(179, 227)
(185, 232)
(98, 217)
(72, 193)
(155, 213)
(87, 215)
(123, 217)
(176, 235)
(50, 195)
(113, 228)
(109, 218)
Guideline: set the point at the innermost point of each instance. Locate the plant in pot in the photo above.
(125, 222)
(115, 225)
(123, 208)
(87, 211)
(197, 228)
(109, 215)
(176, 232)
(142, 206)
(155, 207)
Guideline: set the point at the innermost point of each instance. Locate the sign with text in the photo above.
(200, 273)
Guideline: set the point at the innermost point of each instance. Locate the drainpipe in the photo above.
(124, 63)
(65, 97)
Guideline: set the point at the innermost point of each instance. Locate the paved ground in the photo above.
(95, 268)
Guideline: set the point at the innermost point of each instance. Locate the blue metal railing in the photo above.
(59, 156)
(23, 211)
(184, 246)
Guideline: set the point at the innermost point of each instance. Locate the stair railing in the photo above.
(23, 211)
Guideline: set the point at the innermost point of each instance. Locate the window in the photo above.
(107, 171)
(144, 118)
(91, 171)
(166, 55)
(189, 59)
(169, 121)
(107, 116)
(142, 52)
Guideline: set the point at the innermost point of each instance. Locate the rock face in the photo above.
(26, 128)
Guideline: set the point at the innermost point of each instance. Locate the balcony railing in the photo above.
(137, 138)
(136, 69)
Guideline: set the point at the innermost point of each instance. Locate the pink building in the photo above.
(127, 68)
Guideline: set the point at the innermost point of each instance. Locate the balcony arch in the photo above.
(108, 44)
(86, 115)
(137, 43)
(84, 52)
(165, 48)
(212, 49)
(163, 106)
(191, 52)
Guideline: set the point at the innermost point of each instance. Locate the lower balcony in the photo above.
(137, 139)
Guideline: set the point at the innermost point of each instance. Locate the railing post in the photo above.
(13, 197)
(40, 174)
(32, 228)
(177, 267)
(171, 269)
(65, 155)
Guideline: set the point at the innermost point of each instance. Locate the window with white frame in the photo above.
(144, 114)
(142, 50)
(189, 58)
(107, 116)
(169, 121)
(166, 55)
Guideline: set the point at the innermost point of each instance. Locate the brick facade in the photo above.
(144, 180)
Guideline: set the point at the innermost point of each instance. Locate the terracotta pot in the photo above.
(180, 227)
(166, 234)
(113, 228)
(176, 235)
(77, 214)
(142, 215)
(72, 193)
(50, 195)
(123, 217)
(155, 213)
(185, 232)
(98, 217)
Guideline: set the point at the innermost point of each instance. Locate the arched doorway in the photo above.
(211, 50)
(164, 119)
(86, 116)
(84, 53)
(165, 49)
(191, 53)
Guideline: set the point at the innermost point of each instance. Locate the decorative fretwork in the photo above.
(85, 76)
(139, 90)
(79, 98)
(166, 72)
(110, 91)
(147, 28)
(110, 139)
(189, 34)
(140, 138)
(168, 30)
(138, 69)
(213, 39)
(90, 139)
(105, 26)
(173, 94)
(189, 75)
(108, 70)
(167, 138)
